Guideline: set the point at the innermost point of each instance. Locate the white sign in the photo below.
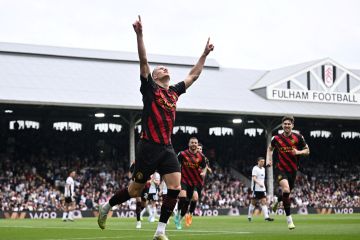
(312, 96)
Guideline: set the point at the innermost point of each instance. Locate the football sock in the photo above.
(251, 210)
(138, 210)
(160, 228)
(286, 203)
(185, 207)
(181, 203)
(192, 207)
(168, 205)
(265, 211)
(119, 197)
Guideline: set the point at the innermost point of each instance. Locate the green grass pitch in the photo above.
(317, 227)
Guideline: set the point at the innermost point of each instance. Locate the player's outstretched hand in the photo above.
(209, 47)
(137, 25)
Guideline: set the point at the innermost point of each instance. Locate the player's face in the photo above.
(261, 162)
(287, 126)
(161, 73)
(193, 145)
(199, 148)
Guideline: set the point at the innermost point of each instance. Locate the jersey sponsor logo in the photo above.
(285, 149)
(191, 165)
(166, 102)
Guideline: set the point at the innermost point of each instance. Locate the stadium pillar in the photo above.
(269, 125)
(131, 137)
(270, 175)
(132, 124)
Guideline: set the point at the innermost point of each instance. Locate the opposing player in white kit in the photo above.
(259, 190)
(153, 195)
(69, 195)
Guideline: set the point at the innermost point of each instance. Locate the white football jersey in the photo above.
(164, 187)
(153, 187)
(260, 176)
(69, 187)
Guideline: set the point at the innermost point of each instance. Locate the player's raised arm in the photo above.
(198, 67)
(144, 65)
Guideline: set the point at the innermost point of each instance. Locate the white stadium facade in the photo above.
(42, 84)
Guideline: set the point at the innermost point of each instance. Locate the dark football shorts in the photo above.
(151, 157)
(280, 175)
(258, 195)
(153, 197)
(68, 199)
(191, 189)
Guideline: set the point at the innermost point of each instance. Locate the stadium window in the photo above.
(220, 131)
(295, 131)
(185, 129)
(67, 126)
(237, 120)
(253, 132)
(351, 135)
(320, 134)
(23, 124)
(105, 127)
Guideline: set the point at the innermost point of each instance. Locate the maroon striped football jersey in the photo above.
(159, 110)
(287, 161)
(191, 164)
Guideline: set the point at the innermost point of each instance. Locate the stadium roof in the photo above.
(58, 76)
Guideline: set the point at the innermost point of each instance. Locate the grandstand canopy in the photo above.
(54, 76)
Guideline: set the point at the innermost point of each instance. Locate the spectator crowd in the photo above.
(34, 167)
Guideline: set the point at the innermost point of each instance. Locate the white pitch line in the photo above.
(129, 237)
(84, 238)
(131, 229)
(89, 238)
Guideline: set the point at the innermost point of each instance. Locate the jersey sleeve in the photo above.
(253, 173)
(68, 181)
(273, 142)
(203, 161)
(146, 83)
(179, 88)
(302, 142)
